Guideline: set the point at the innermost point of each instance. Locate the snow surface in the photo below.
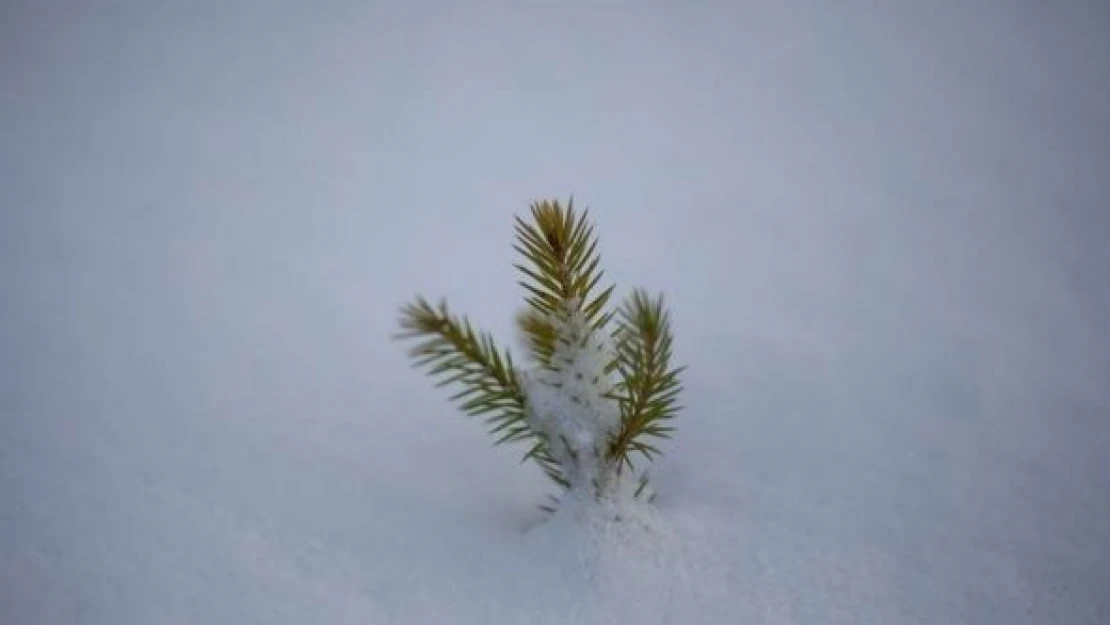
(883, 229)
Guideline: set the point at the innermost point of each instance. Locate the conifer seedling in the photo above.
(600, 390)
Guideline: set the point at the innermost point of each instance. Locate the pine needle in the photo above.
(453, 351)
(649, 385)
(561, 270)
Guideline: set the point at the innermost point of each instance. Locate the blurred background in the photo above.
(882, 229)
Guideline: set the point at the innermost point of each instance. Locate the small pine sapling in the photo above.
(601, 388)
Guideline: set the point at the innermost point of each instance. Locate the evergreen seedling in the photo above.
(601, 389)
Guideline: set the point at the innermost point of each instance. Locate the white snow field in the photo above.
(883, 230)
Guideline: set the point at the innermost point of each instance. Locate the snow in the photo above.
(881, 229)
(570, 403)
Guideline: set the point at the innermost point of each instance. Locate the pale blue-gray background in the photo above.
(883, 228)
